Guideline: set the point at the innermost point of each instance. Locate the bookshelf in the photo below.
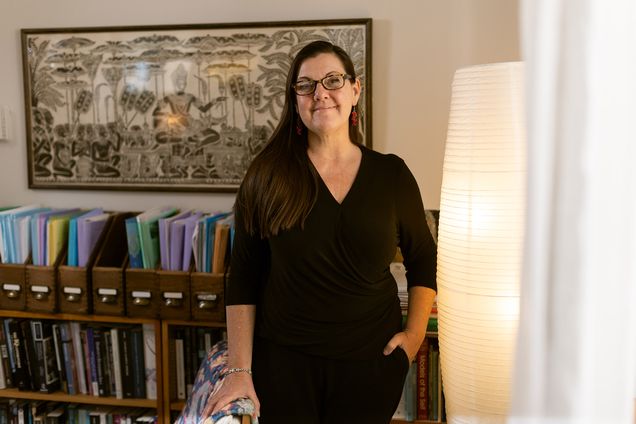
(85, 399)
(440, 400)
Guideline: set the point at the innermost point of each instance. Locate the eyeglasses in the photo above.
(305, 87)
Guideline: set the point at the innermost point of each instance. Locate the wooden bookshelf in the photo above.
(59, 396)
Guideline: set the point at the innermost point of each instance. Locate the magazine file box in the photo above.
(108, 269)
(75, 291)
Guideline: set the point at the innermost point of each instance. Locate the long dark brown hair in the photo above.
(280, 186)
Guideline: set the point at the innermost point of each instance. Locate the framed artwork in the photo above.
(168, 108)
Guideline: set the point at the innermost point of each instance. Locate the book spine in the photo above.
(116, 358)
(101, 362)
(59, 357)
(138, 366)
(68, 353)
(150, 360)
(37, 355)
(422, 381)
(78, 355)
(51, 374)
(125, 357)
(20, 370)
(179, 364)
(134, 243)
(92, 360)
(4, 358)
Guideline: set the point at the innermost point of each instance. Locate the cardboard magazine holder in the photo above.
(108, 278)
(174, 294)
(75, 291)
(142, 293)
(207, 296)
(41, 287)
(12, 286)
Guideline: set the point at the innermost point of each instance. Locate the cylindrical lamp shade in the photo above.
(482, 217)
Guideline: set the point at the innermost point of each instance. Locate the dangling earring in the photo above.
(354, 116)
(299, 125)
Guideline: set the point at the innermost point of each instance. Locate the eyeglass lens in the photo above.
(330, 82)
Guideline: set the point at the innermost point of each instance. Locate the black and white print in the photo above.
(165, 108)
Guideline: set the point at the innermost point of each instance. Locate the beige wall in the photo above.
(417, 45)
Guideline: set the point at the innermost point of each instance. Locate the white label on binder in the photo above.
(107, 292)
(173, 295)
(72, 290)
(206, 296)
(142, 294)
(39, 289)
(11, 287)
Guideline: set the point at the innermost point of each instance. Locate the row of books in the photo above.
(45, 412)
(174, 238)
(188, 347)
(423, 397)
(42, 233)
(78, 358)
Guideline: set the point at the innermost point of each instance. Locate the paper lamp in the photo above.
(482, 217)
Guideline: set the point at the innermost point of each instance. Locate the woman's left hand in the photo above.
(408, 341)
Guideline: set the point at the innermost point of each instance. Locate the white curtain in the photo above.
(576, 349)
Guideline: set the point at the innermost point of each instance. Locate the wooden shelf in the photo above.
(4, 313)
(87, 399)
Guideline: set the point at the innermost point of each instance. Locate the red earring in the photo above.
(354, 116)
(299, 126)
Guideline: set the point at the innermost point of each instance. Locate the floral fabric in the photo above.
(209, 379)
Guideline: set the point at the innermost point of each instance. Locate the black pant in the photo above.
(295, 388)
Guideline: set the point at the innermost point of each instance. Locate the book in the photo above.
(42, 333)
(101, 362)
(88, 341)
(20, 365)
(79, 358)
(179, 363)
(208, 241)
(4, 359)
(149, 234)
(150, 360)
(56, 235)
(116, 360)
(68, 353)
(134, 244)
(190, 224)
(165, 244)
(89, 228)
(59, 356)
(108, 358)
(421, 360)
(221, 243)
(9, 251)
(126, 359)
(138, 368)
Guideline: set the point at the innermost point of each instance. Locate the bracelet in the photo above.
(233, 370)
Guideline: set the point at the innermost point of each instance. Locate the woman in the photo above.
(314, 323)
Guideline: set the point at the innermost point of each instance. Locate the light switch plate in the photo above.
(5, 123)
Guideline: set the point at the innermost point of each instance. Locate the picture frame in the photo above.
(166, 107)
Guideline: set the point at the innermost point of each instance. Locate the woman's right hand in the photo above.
(236, 385)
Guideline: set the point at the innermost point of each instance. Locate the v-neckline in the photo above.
(353, 184)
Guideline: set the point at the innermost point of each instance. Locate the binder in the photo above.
(174, 294)
(75, 289)
(12, 286)
(108, 278)
(142, 293)
(207, 296)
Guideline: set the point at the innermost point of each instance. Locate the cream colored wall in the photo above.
(417, 45)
